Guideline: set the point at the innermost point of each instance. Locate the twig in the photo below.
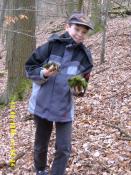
(116, 94)
(28, 117)
(122, 6)
(18, 156)
(100, 71)
(125, 138)
(17, 32)
(7, 164)
(122, 132)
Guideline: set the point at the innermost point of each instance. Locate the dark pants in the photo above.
(62, 145)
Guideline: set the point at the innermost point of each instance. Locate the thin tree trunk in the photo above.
(69, 7)
(96, 15)
(88, 11)
(80, 5)
(106, 5)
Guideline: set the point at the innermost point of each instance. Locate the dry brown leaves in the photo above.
(97, 149)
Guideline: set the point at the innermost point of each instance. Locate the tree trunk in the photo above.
(19, 46)
(70, 7)
(3, 12)
(106, 5)
(2, 16)
(87, 8)
(80, 5)
(96, 15)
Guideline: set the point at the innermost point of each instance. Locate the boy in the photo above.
(51, 100)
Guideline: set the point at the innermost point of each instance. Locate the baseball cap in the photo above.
(80, 18)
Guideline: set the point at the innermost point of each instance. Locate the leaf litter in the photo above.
(98, 146)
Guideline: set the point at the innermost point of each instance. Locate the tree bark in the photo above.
(87, 8)
(3, 12)
(4, 5)
(80, 5)
(106, 4)
(96, 15)
(20, 44)
(70, 6)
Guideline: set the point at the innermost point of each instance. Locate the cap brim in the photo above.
(76, 22)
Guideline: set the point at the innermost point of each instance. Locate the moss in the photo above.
(22, 90)
(77, 81)
(2, 106)
(97, 29)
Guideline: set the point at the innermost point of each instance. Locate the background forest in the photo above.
(102, 129)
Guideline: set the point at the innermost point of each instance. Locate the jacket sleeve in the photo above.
(88, 64)
(34, 65)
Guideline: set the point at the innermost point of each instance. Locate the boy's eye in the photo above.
(84, 32)
(77, 29)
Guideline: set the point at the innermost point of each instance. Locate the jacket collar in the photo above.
(65, 37)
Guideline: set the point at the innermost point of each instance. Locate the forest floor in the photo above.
(101, 142)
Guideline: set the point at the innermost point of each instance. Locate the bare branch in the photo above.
(18, 156)
(15, 31)
(122, 6)
(122, 132)
(7, 164)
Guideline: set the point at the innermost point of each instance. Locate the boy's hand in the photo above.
(51, 69)
(78, 91)
(78, 85)
(49, 72)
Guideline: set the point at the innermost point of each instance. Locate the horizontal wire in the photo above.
(26, 9)
(18, 32)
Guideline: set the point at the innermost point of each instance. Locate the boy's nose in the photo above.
(80, 34)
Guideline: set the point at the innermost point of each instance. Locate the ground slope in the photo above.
(102, 123)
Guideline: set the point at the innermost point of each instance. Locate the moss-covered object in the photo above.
(22, 90)
(52, 66)
(78, 83)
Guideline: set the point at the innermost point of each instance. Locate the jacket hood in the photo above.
(65, 37)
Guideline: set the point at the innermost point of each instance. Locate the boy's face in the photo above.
(77, 32)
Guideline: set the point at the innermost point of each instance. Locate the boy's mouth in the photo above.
(78, 39)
